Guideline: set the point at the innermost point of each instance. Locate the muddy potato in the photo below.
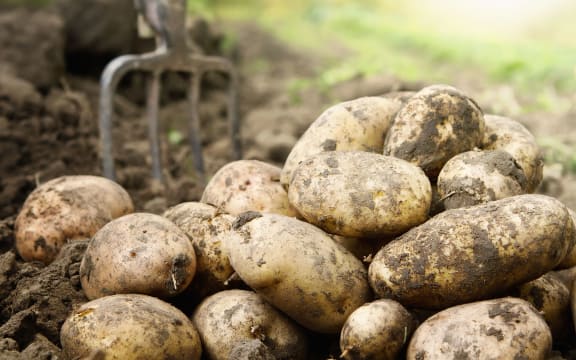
(570, 259)
(65, 209)
(477, 177)
(360, 194)
(504, 328)
(376, 330)
(506, 134)
(129, 326)
(248, 185)
(298, 268)
(138, 253)
(567, 276)
(435, 124)
(229, 321)
(473, 253)
(358, 124)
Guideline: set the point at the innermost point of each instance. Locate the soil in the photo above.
(48, 128)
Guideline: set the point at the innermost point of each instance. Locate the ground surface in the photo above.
(48, 128)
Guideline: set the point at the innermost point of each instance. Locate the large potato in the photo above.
(248, 185)
(138, 253)
(358, 124)
(360, 194)
(65, 209)
(505, 328)
(129, 327)
(229, 321)
(506, 134)
(473, 253)
(298, 268)
(435, 124)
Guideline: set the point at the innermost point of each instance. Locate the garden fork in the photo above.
(174, 52)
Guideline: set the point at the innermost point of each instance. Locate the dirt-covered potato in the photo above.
(474, 253)
(248, 185)
(570, 259)
(435, 124)
(376, 330)
(360, 194)
(129, 326)
(229, 321)
(358, 124)
(567, 276)
(506, 134)
(65, 209)
(298, 268)
(505, 328)
(138, 253)
(477, 177)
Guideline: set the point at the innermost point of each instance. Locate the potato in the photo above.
(298, 268)
(248, 185)
(129, 326)
(138, 253)
(358, 124)
(567, 276)
(229, 321)
(376, 330)
(435, 124)
(473, 253)
(477, 177)
(570, 259)
(204, 225)
(360, 194)
(505, 328)
(65, 209)
(506, 134)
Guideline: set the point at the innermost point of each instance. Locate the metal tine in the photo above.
(194, 125)
(152, 104)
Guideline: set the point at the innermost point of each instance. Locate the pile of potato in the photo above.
(401, 226)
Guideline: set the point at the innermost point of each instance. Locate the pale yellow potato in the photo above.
(435, 124)
(504, 328)
(570, 259)
(476, 177)
(65, 209)
(567, 276)
(358, 124)
(298, 268)
(378, 330)
(229, 321)
(473, 253)
(129, 327)
(360, 194)
(248, 185)
(506, 134)
(138, 253)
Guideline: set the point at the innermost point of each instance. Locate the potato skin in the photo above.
(505, 328)
(138, 253)
(570, 259)
(230, 319)
(248, 185)
(435, 124)
(130, 326)
(64, 209)
(360, 194)
(506, 134)
(299, 269)
(376, 330)
(457, 256)
(360, 124)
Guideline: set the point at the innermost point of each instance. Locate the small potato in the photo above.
(248, 185)
(360, 194)
(477, 177)
(138, 253)
(231, 320)
(435, 124)
(358, 124)
(505, 328)
(376, 330)
(570, 259)
(473, 253)
(129, 326)
(65, 209)
(506, 134)
(298, 268)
